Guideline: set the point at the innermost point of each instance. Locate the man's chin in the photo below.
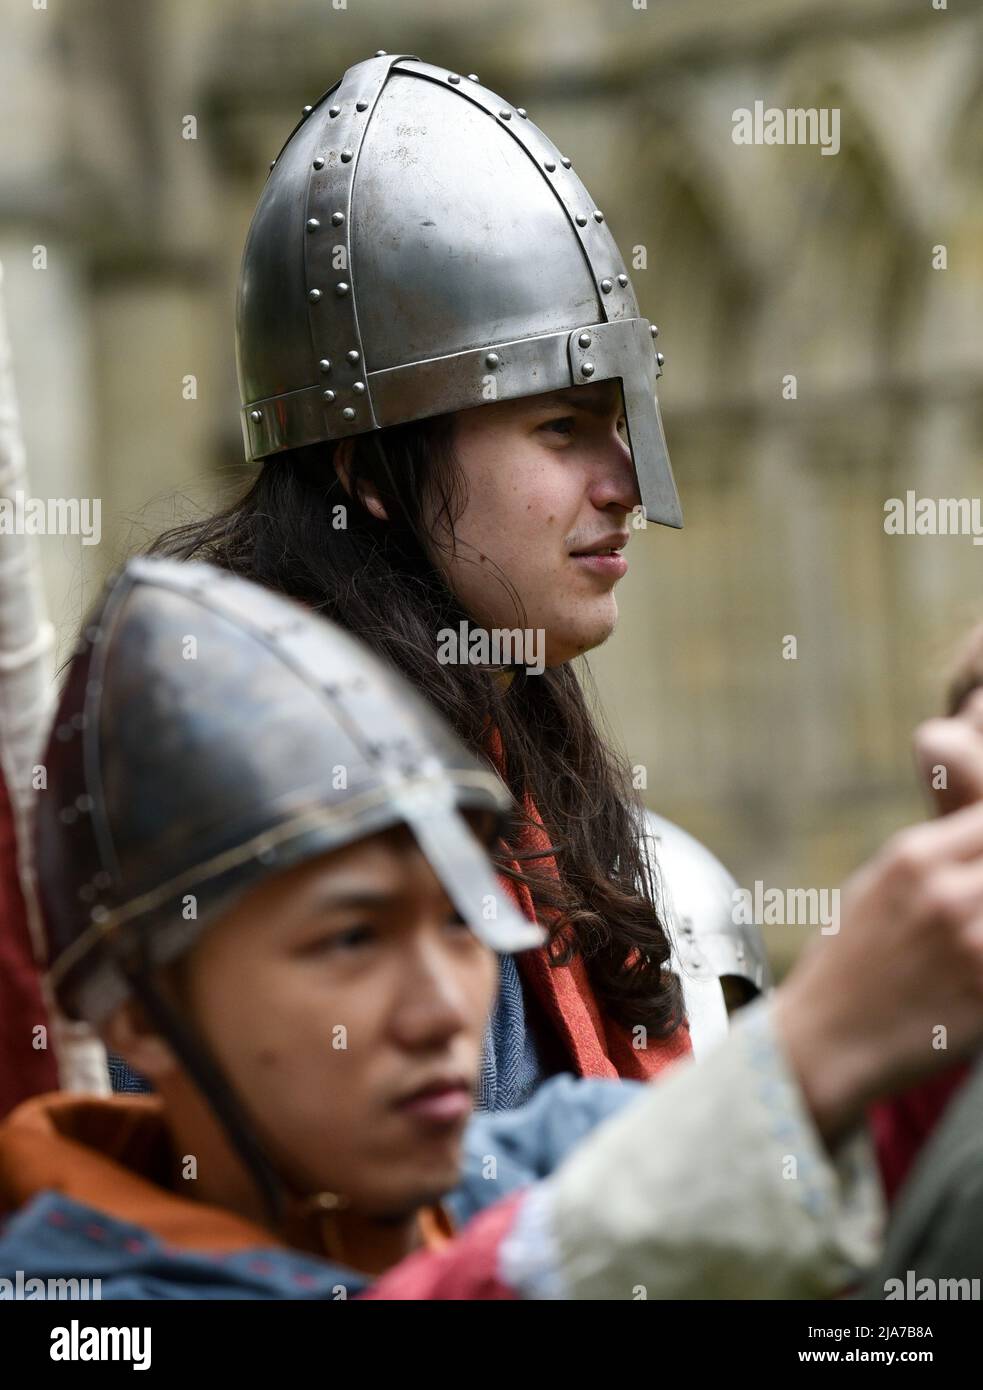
(427, 1192)
(422, 1173)
(584, 639)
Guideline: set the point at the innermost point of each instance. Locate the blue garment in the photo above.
(511, 1065)
(124, 1079)
(56, 1237)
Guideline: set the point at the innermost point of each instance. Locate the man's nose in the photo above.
(616, 484)
(431, 1006)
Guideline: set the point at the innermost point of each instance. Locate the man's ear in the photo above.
(131, 1035)
(368, 494)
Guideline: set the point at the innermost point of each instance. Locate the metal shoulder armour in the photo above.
(422, 247)
(721, 963)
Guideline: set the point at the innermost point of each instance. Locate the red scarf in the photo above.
(594, 1045)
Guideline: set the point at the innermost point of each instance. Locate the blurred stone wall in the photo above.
(121, 237)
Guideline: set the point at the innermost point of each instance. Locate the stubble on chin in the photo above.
(590, 630)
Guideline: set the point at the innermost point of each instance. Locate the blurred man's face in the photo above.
(346, 1004)
(548, 478)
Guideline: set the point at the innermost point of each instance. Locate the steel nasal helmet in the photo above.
(422, 247)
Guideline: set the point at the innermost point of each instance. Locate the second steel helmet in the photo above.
(422, 247)
(211, 733)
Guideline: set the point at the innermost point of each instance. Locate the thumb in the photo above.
(949, 758)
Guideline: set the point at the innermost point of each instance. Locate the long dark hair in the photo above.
(299, 530)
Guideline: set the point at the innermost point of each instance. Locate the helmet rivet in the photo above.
(587, 369)
(358, 387)
(522, 112)
(314, 296)
(337, 218)
(325, 364)
(549, 166)
(319, 162)
(346, 156)
(505, 115)
(312, 224)
(334, 110)
(660, 358)
(564, 161)
(341, 287)
(348, 413)
(361, 105)
(380, 53)
(308, 110)
(607, 286)
(472, 77)
(492, 360)
(256, 415)
(581, 220)
(622, 280)
(653, 330)
(585, 340)
(598, 215)
(453, 77)
(352, 356)
(327, 396)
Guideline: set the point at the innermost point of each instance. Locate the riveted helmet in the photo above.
(422, 247)
(211, 732)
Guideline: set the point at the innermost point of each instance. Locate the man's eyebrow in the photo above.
(361, 899)
(580, 398)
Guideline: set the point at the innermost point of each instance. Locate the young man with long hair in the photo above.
(450, 390)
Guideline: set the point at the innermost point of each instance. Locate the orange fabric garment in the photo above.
(111, 1154)
(594, 1045)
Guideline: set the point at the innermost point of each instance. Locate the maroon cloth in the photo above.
(901, 1125)
(25, 1070)
(466, 1268)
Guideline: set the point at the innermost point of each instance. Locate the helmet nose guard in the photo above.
(421, 247)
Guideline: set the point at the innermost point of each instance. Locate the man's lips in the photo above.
(604, 545)
(609, 563)
(604, 557)
(442, 1102)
